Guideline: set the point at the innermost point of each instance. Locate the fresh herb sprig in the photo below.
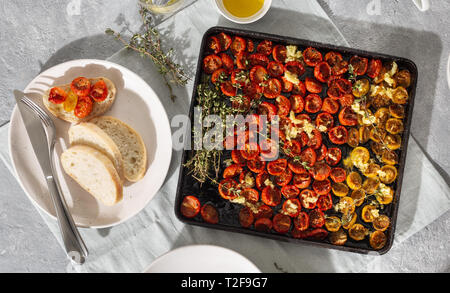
(148, 44)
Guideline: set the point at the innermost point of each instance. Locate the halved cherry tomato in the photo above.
(209, 214)
(232, 171)
(374, 68)
(265, 47)
(258, 74)
(346, 100)
(190, 206)
(301, 180)
(320, 171)
(311, 56)
(377, 240)
(264, 211)
(83, 107)
(277, 167)
(312, 85)
(359, 65)
(292, 207)
(290, 191)
(322, 71)
(317, 234)
(250, 46)
(316, 218)
(227, 61)
(348, 117)
(81, 86)
(296, 166)
(275, 69)
(284, 178)
(211, 63)
(308, 198)
(281, 223)
(228, 188)
(297, 103)
(338, 65)
(338, 238)
(295, 67)
(324, 202)
(286, 85)
(330, 105)
(333, 90)
(242, 60)
(224, 40)
(321, 153)
(313, 103)
(344, 85)
(71, 102)
(250, 194)
(338, 135)
(239, 78)
(321, 187)
(324, 121)
(269, 149)
(253, 91)
(308, 156)
(338, 174)
(292, 148)
(284, 105)
(333, 156)
(99, 91)
(271, 196)
(57, 95)
(263, 225)
(258, 59)
(316, 140)
(301, 222)
(261, 179)
(238, 45)
(214, 44)
(219, 75)
(256, 166)
(246, 217)
(279, 53)
(272, 89)
(299, 89)
(228, 89)
(268, 109)
(242, 103)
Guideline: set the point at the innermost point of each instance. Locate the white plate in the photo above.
(136, 104)
(202, 259)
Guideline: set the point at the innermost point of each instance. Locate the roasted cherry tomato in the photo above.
(264, 47)
(246, 217)
(321, 152)
(284, 178)
(311, 56)
(238, 45)
(296, 166)
(381, 223)
(308, 157)
(315, 141)
(214, 44)
(275, 69)
(250, 46)
(243, 60)
(99, 91)
(272, 89)
(313, 103)
(322, 71)
(262, 179)
(57, 95)
(281, 223)
(256, 165)
(339, 189)
(333, 156)
(338, 238)
(346, 100)
(358, 197)
(354, 180)
(224, 40)
(295, 67)
(324, 121)
(269, 149)
(292, 148)
(374, 68)
(338, 135)
(250, 151)
(297, 103)
(286, 85)
(320, 171)
(301, 180)
(271, 196)
(190, 206)
(308, 198)
(209, 214)
(333, 90)
(264, 211)
(330, 105)
(357, 232)
(219, 75)
(228, 89)
(361, 87)
(316, 218)
(250, 194)
(301, 222)
(403, 78)
(359, 65)
(299, 89)
(263, 225)
(258, 74)
(228, 188)
(227, 62)
(388, 174)
(338, 174)
(312, 85)
(317, 234)
(292, 207)
(211, 63)
(348, 117)
(71, 102)
(333, 223)
(277, 167)
(81, 86)
(232, 171)
(377, 240)
(284, 105)
(324, 202)
(290, 191)
(279, 53)
(258, 59)
(336, 62)
(83, 107)
(321, 187)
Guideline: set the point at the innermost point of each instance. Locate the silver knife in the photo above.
(42, 140)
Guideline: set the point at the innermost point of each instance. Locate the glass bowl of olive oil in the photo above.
(243, 11)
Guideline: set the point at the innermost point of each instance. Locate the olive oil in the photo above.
(243, 8)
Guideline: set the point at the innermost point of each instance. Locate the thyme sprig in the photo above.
(148, 44)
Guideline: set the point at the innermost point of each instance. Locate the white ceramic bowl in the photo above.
(243, 20)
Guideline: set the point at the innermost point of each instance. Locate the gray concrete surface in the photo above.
(37, 34)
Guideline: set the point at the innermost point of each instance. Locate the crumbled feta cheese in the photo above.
(269, 183)
(291, 77)
(322, 128)
(292, 54)
(375, 213)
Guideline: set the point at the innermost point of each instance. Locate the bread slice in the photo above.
(130, 144)
(94, 171)
(98, 108)
(91, 135)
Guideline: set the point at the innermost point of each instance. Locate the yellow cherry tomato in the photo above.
(371, 170)
(348, 220)
(394, 125)
(377, 240)
(389, 157)
(385, 194)
(354, 180)
(400, 95)
(358, 197)
(370, 185)
(71, 102)
(381, 223)
(393, 141)
(332, 223)
(357, 232)
(369, 213)
(388, 174)
(338, 238)
(339, 189)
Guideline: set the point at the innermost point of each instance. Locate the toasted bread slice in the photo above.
(89, 134)
(130, 144)
(94, 171)
(98, 108)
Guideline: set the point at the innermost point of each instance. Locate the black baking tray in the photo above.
(208, 193)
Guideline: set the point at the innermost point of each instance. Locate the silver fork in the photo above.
(74, 244)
